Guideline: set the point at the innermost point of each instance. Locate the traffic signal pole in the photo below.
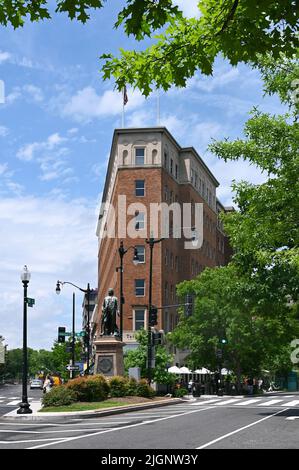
(149, 331)
(73, 338)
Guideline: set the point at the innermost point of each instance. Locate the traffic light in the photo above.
(61, 334)
(189, 305)
(157, 338)
(153, 316)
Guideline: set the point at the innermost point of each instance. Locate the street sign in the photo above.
(30, 302)
(65, 334)
(82, 333)
(73, 367)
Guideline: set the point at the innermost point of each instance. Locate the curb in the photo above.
(91, 413)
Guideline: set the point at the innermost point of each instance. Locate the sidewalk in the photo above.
(40, 416)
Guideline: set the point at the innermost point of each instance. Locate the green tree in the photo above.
(138, 358)
(253, 302)
(61, 357)
(264, 230)
(227, 307)
(237, 29)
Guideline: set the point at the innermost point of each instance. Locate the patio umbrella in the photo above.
(174, 370)
(202, 371)
(185, 370)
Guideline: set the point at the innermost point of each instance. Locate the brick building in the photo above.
(148, 166)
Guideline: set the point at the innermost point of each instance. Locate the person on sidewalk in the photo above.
(47, 384)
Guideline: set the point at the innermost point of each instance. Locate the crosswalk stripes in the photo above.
(270, 403)
(293, 403)
(238, 402)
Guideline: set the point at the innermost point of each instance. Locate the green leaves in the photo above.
(240, 30)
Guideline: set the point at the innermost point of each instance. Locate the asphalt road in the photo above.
(269, 422)
(11, 395)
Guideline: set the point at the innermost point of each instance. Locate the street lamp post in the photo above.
(87, 292)
(24, 405)
(151, 242)
(122, 251)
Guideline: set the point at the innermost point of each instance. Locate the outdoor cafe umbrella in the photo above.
(174, 370)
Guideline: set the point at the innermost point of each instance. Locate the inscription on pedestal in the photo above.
(105, 365)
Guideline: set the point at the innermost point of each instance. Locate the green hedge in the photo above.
(180, 392)
(59, 396)
(89, 388)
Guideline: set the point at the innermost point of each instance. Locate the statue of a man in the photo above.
(109, 311)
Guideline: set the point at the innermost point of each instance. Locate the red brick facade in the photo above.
(171, 262)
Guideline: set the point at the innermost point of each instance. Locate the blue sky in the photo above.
(56, 127)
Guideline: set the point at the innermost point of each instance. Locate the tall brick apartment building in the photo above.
(147, 165)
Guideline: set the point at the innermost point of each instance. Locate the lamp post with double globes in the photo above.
(24, 405)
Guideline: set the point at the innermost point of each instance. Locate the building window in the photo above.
(139, 156)
(166, 257)
(139, 188)
(165, 160)
(139, 320)
(139, 287)
(141, 253)
(139, 221)
(176, 172)
(171, 165)
(165, 193)
(166, 291)
(171, 260)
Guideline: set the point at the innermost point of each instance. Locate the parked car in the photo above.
(36, 383)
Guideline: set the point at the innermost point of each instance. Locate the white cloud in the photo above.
(220, 78)
(3, 131)
(4, 56)
(35, 92)
(56, 239)
(86, 104)
(28, 151)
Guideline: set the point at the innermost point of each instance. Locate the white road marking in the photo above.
(247, 402)
(269, 403)
(45, 432)
(56, 439)
(291, 418)
(13, 403)
(239, 430)
(228, 402)
(129, 426)
(205, 402)
(41, 424)
(292, 403)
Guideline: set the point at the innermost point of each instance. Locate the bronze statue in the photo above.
(109, 311)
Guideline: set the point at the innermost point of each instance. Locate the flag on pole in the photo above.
(125, 96)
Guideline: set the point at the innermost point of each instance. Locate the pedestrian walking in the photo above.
(47, 384)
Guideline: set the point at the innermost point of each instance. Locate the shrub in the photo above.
(89, 388)
(59, 396)
(144, 390)
(180, 392)
(131, 387)
(118, 386)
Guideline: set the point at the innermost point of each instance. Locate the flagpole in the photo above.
(158, 107)
(123, 115)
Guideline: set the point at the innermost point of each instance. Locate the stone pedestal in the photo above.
(109, 359)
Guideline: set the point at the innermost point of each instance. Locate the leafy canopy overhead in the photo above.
(238, 29)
